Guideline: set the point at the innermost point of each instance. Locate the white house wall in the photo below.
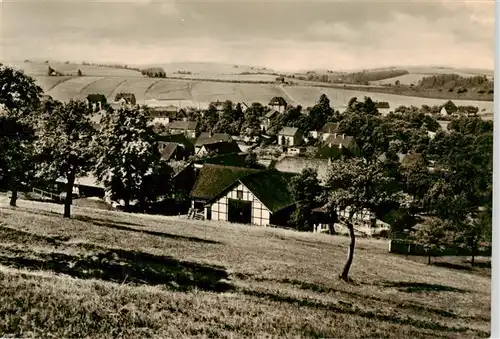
(260, 213)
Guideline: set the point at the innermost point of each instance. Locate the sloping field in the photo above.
(104, 86)
(106, 274)
(39, 68)
(138, 86)
(167, 89)
(71, 88)
(47, 83)
(227, 77)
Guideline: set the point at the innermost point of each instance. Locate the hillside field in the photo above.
(199, 92)
(106, 274)
(206, 91)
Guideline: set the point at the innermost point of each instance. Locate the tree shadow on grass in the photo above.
(155, 233)
(123, 266)
(327, 289)
(412, 287)
(351, 309)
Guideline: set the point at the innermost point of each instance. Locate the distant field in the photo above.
(36, 68)
(109, 82)
(406, 79)
(227, 77)
(107, 274)
(206, 91)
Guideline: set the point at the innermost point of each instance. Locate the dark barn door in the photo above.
(240, 211)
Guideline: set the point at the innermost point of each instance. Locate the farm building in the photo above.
(172, 151)
(186, 127)
(230, 159)
(278, 103)
(267, 119)
(296, 165)
(206, 138)
(243, 195)
(336, 145)
(219, 148)
(180, 139)
(289, 136)
(165, 115)
(87, 186)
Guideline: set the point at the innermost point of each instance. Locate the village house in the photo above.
(218, 148)
(296, 151)
(337, 145)
(278, 103)
(289, 136)
(328, 129)
(210, 138)
(180, 139)
(165, 115)
(267, 119)
(243, 195)
(186, 127)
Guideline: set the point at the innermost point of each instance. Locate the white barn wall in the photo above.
(260, 213)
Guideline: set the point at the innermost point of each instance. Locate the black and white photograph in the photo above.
(249, 169)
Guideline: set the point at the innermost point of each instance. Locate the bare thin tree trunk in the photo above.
(69, 195)
(350, 255)
(13, 197)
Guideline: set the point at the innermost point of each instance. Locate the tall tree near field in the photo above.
(472, 233)
(16, 154)
(354, 185)
(64, 144)
(19, 102)
(305, 189)
(434, 235)
(128, 161)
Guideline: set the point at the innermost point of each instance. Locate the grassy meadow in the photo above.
(106, 274)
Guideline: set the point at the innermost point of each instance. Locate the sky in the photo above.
(283, 35)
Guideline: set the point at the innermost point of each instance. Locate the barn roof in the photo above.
(207, 138)
(169, 150)
(280, 101)
(271, 188)
(288, 131)
(230, 159)
(183, 125)
(214, 179)
(223, 147)
(271, 113)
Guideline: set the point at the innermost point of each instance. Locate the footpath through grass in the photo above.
(106, 274)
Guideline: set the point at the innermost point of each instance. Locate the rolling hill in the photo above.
(202, 90)
(106, 274)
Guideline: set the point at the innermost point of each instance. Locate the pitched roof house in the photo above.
(210, 138)
(186, 127)
(279, 102)
(289, 136)
(268, 118)
(336, 145)
(243, 195)
(219, 148)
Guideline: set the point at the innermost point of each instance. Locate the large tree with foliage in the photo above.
(355, 185)
(434, 235)
(19, 102)
(128, 161)
(16, 154)
(64, 144)
(305, 189)
(475, 231)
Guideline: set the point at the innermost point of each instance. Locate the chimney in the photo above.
(343, 136)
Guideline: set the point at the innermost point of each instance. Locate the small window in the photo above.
(239, 195)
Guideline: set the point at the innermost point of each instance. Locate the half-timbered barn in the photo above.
(243, 195)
